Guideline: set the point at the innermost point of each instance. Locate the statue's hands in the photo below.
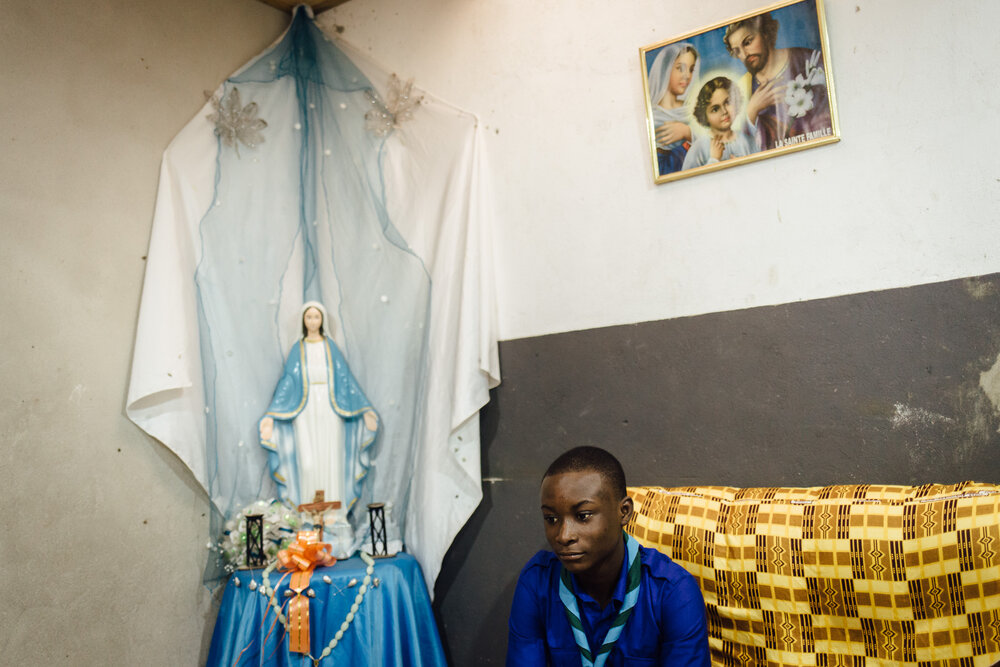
(371, 421)
(266, 428)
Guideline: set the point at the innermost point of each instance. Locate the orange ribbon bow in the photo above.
(301, 557)
(306, 553)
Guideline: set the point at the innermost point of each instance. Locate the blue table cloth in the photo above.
(394, 626)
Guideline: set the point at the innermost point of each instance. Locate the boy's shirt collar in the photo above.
(617, 596)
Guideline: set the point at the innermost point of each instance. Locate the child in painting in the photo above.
(716, 109)
(672, 71)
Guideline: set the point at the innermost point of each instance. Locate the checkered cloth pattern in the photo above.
(838, 575)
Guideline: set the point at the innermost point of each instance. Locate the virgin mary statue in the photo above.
(319, 425)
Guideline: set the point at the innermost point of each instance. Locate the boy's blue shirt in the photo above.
(667, 625)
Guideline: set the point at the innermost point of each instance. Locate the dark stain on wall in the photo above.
(891, 387)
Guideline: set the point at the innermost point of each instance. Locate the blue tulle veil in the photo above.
(301, 216)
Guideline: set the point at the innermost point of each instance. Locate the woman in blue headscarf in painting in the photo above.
(319, 425)
(670, 75)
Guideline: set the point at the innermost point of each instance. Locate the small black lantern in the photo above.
(255, 540)
(376, 520)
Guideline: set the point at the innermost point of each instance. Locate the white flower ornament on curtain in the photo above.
(235, 123)
(383, 117)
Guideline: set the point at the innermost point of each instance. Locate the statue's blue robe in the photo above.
(347, 400)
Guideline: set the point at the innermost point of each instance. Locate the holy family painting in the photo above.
(755, 86)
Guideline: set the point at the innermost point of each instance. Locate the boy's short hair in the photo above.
(581, 459)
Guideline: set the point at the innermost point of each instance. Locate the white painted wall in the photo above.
(102, 530)
(584, 239)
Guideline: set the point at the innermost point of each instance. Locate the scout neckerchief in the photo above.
(573, 609)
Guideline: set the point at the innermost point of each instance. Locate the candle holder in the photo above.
(255, 540)
(376, 520)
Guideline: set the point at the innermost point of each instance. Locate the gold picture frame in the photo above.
(749, 88)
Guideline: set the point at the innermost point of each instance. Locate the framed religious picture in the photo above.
(755, 86)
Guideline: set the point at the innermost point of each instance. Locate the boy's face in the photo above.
(583, 521)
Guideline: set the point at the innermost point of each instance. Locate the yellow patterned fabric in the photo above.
(838, 575)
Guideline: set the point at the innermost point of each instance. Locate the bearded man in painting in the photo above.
(785, 88)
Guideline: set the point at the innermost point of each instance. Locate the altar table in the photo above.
(394, 625)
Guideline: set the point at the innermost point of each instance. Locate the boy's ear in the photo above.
(626, 508)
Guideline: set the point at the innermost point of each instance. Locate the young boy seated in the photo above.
(598, 598)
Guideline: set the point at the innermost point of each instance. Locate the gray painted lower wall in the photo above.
(899, 386)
